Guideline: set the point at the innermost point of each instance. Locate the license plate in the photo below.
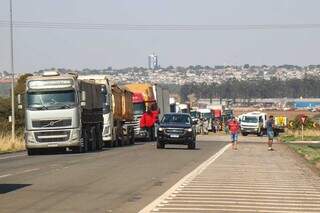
(53, 145)
(174, 136)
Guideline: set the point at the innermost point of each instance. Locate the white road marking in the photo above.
(27, 170)
(187, 178)
(12, 156)
(6, 175)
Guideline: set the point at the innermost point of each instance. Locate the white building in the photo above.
(153, 62)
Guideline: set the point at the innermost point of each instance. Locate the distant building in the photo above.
(153, 62)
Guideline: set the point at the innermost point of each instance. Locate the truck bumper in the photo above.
(249, 131)
(107, 138)
(52, 139)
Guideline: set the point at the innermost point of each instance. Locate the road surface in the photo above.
(115, 180)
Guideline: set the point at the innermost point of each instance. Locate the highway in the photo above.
(122, 179)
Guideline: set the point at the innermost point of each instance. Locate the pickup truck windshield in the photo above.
(184, 119)
(249, 119)
(139, 108)
(194, 114)
(51, 99)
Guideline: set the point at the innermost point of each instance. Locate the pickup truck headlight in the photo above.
(189, 130)
(160, 129)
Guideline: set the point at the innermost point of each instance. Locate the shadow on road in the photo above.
(5, 188)
(181, 148)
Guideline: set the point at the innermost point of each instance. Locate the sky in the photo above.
(78, 49)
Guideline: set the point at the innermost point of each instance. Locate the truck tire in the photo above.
(160, 145)
(192, 145)
(131, 136)
(83, 148)
(94, 139)
(32, 152)
(244, 134)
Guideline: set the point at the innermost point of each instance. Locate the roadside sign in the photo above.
(303, 119)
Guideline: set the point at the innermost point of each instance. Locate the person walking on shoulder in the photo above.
(270, 132)
(234, 128)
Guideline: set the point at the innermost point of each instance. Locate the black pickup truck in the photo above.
(176, 128)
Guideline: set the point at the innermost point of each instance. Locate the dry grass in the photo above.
(307, 133)
(7, 145)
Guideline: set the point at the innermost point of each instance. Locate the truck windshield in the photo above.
(207, 115)
(51, 99)
(185, 119)
(139, 108)
(107, 104)
(249, 119)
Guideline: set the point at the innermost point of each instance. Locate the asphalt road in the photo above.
(115, 180)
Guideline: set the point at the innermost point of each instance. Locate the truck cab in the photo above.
(253, 123)
(62, 111)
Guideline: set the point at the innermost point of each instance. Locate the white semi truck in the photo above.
(62, 112)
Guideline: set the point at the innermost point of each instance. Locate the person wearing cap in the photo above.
(234, 128)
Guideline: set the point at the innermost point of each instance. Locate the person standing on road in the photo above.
(270, 132)
(147, 122)
(234, 128)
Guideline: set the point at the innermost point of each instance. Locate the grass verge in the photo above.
(7, 145)
(288, 138)
(310, 152)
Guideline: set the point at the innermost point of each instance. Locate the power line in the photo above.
(152, 27)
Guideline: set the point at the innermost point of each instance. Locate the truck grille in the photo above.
(51, 123)
(175, 131)
(52, 136)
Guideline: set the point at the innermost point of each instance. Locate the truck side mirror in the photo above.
(83, 99)
(19, 101)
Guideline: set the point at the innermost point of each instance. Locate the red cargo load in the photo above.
(217, 113)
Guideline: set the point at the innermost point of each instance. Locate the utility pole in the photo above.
(12, 82)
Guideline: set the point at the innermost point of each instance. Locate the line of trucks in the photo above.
(85, 113)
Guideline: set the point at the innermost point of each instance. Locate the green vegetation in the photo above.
(5, 109)
(309, 152)
(5, 89)
(294, 88)
(288, 138)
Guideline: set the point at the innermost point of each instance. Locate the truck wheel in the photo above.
(132, 139)
(160, 145)
(84, 146)
(94, 139)
(244, 134)
(192, 145)
(99, 137)
(32, 152)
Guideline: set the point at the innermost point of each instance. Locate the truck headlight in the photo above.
(160, 129)
(106, 130)
(189, 130)
(30, 137)
(75, 134)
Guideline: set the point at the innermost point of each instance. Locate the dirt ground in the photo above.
(289, 114)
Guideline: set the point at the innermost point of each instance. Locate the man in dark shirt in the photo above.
(270, 132)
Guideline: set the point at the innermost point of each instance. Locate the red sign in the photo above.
(303, 119)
